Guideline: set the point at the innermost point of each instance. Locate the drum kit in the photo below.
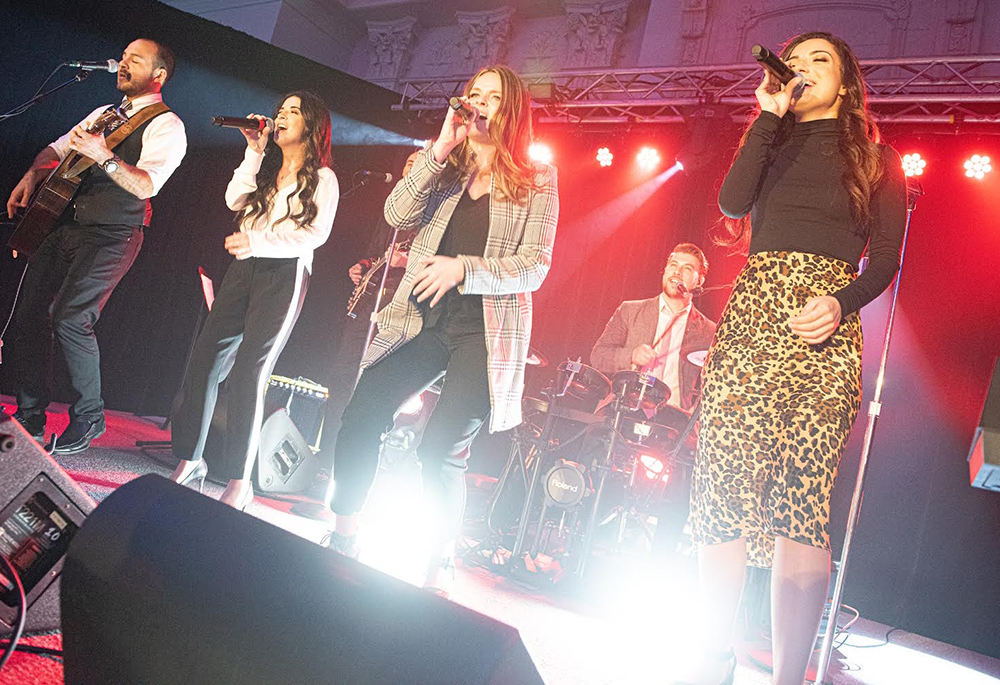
(592, 451)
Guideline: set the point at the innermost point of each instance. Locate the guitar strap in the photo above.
(119, 134)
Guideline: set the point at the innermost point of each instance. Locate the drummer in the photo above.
(657, 334)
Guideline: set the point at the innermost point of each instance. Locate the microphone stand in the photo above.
(913, 191)
(79, 77)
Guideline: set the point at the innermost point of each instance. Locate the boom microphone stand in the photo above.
(913, 191)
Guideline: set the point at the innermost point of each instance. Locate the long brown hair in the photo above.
(858, 140)
(510, 131)
(317, 132)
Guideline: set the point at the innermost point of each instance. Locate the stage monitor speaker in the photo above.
(163, 585)
(285, 462)
(41, 510)
(984, 457)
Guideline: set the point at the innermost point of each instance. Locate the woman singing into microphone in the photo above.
(486, 221)
(809, 188)
(286, 195)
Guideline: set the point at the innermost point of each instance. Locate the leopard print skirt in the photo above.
(775, 411)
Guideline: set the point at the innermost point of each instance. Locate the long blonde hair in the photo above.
(510, 131)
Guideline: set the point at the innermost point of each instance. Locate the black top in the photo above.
(465, 235)
(795, 194)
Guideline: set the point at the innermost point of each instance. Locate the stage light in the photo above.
(913, 165)
(604, 156)
(420, 143)
(654, 467)
(978, 166)
(648, 158)
(540, 152)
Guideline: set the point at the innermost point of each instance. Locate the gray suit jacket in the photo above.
(634, 323)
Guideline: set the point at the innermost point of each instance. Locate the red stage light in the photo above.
(654, 467)
(648, 158)
(978, 166)
(913, 165)
(540, 152)
(604, 156)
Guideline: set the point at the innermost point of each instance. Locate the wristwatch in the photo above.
(111, 165)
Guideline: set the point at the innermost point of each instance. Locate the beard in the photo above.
(130, 84)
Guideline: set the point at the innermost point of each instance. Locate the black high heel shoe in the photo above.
(197, 475)
(716, 659)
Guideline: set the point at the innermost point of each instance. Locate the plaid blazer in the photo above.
(516, 259)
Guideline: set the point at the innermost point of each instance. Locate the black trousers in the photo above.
(67, 283)
(463, 407)
(253, 315)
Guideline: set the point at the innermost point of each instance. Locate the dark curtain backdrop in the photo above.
(147, 325)
(926, 557)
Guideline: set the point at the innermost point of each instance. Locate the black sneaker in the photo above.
(78, 435)
(33, 423)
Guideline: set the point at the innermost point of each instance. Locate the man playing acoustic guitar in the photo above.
(73, 271)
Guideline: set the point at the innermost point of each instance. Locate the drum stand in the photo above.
(913, 191)
(536, 467)
(627, 509)
(604, 468)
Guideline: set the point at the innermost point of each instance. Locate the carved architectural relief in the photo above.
(545, 50)
(961, 26)
(483, 36)
(894, 13)
(593, 29)
(694, 19)
(390, 44)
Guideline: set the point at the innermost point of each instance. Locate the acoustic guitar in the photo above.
(55, 193)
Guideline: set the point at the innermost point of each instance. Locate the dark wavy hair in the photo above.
(858, 141)
(510, 131)
(317, 134)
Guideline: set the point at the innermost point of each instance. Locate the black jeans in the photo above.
(67, 284)
(463, 407)
(250, 322)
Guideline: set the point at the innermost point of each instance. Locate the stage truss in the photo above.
(932, 90)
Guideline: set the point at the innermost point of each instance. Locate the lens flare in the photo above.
(540, 152)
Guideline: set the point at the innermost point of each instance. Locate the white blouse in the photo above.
(272, 236)
(164, 141)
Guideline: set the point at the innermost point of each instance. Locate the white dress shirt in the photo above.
(667, 368)
(164, 141)
(272, 235)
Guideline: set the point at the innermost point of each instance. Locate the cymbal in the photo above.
(698, 357)
(536, 358)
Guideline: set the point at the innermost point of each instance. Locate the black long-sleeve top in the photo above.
(797, 201)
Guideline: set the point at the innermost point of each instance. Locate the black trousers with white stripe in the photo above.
(253, 315)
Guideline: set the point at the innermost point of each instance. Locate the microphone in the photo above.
(684, 290)
(248, 123)
(383, 176)
(465, 109)
(110, 65)
(775, 66)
